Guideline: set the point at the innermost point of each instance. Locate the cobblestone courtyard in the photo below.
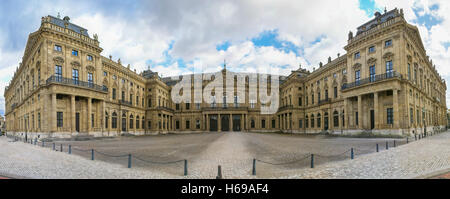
(279, 156)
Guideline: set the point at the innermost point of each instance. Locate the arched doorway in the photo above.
(325, 120)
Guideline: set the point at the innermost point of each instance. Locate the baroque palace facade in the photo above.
(385, 84)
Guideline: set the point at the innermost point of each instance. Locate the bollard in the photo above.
(92, 154)
(61, 148)
(377, 148)
(254, 167)
(53, 146)
(129, 160)
(387, 145)
(185, 168)
(219, 173)
(70, 149)
(351, 154)
(312, 160)
(394, 143)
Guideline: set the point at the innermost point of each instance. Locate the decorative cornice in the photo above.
(388, 55)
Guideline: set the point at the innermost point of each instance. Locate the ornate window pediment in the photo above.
(371, 61)
(334, 83)
(58, 60)
(90, 68)
(75, 64)
(388, 55)
(357, 66)
(409, 58)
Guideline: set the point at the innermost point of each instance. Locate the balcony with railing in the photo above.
(372, 79)
(324, 101)
(124, 102)
(77, 83)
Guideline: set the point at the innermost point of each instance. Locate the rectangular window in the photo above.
(58, 73)
(177, 106)
(197, 124)
(149, 124)
(92, 120)
(356, 118)
(105, 73)
(312, 99)
(390, 116)
(188, 106)
(300, 123)
(74, 53)
(273, 124)
(411, 115)
(188, 124)
(114, 93)
(388, 43)
(371, 49)
(197, 106)
(177, 124)
(299, 101)
(39, 120)
(58, 48)
(357, 77)
(90, 80)
(90, 58)
(335, 92)
(409, 71)
(263, 124)
(389, 69)
(357, 55)
(75, 77)
(372, 73)
(131, 98)
(59, 119)
(149, 102)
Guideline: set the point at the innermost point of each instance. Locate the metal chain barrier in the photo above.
(285, 163)
(152, 162)
(108, 155)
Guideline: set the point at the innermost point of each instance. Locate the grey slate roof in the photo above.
(71, 26)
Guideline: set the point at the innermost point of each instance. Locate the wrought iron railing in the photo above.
(372, 79)
(74, 82)
(324, 101)
(125, 102)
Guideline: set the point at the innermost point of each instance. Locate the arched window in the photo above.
(252, 123)
(137, 122)
(306, 122)
(114, 120)
(312, 120)
(131, 121)
(319, 120)
(336, 119)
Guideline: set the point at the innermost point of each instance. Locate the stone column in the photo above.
(219, 121)
(53, 114)
(360, 118)
(395, 109)
(89, 122)
(73, 113)
(375, 109)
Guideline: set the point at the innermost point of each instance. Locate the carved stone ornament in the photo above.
(371, 60)
(388, 55)
(90, 68)
(58, 60)
(357, 66)
(75, 64)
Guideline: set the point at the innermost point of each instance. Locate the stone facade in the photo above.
(385, 84)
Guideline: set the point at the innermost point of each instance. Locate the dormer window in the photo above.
(388, 43)
(74, 52)
(357, 55)
(58, 48)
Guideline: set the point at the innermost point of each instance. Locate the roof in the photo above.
(60, 22)
(379, 18)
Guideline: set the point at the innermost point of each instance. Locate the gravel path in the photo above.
(234, 152)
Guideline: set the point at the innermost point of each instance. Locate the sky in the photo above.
(176, 37)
